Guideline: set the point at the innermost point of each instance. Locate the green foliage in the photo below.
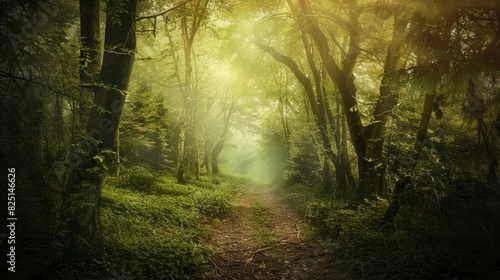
(424, 244)
(274, 147)
(137, 178)
(305, 161)
(159, 234)
(144, 135)
(211, 203)
(114, 9)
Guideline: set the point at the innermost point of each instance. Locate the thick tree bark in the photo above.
(83, 187)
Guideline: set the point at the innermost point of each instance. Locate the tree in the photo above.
(444, 58)
(228, 109)
(86, 173)
(188, 128)
(144, 130)
(368, 141)
(90, 55)
(315, 98)
(36, 84)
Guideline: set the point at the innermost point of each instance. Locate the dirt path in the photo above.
(264, 238)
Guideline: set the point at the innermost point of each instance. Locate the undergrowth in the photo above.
(155, 228)
(423, 244)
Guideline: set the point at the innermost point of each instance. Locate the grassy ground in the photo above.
(155, 228)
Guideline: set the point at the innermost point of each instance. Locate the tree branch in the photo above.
(292, 65)
(163, 12)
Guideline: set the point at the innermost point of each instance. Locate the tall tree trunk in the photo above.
(283, 112)
(206, 156)
(325, 174)
(86, 174)
(367, 144)
(59, 124)
(376, 131)
(114, 156)
(323, 114)
(343, 77)
(342, 166)
(189, 30)
(206, 144)
(196, 148)
(184, 129)
(90, 56)
(180, 153)
(322, 121)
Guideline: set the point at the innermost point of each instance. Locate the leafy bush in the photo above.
(154, 259)
(211, 204)
(137, 178)
(424, 244)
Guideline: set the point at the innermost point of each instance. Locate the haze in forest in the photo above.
(130, 128)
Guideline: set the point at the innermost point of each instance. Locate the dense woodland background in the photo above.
(380, 119)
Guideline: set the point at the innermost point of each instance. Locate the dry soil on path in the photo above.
(262, 237)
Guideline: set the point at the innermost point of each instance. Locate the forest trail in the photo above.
(262, 237)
